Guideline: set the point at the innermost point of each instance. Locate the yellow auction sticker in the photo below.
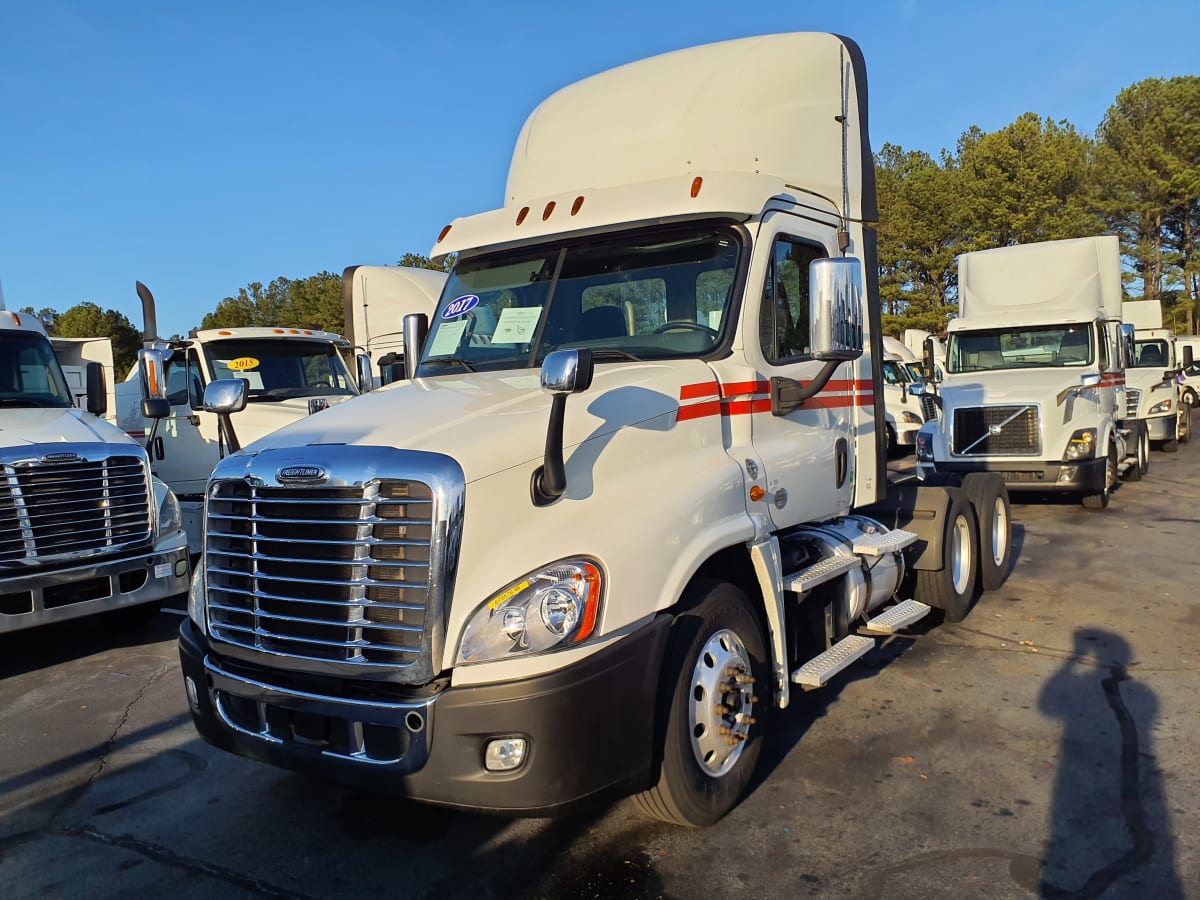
(243, 363)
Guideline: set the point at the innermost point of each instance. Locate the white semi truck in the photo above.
(377, 298)
(902, 404)
(1036, 360)
(84, 527)
(290, 373)
(1153, 375)
(635, 493)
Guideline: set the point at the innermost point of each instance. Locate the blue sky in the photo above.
(202, 146)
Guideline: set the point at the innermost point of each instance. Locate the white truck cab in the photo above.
(84, 527)
(1153, 375)
(1035, 371)
(635, 493)
(377, 299)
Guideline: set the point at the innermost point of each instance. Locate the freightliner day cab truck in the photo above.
(84, 527)
(634, 494)
(1153, 375)
(289, 372)
(377, 298)
(1035, 365)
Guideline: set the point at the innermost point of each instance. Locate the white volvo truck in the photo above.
(1154, 375)
(84, 527)
(1034, 385)
(290, 373)
(633, 496)
(377, 298)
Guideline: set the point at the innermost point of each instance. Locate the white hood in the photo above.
(492, 421)
(24, 427)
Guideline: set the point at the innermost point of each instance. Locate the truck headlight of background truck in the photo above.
(170, 519)
(925, 446)
(911, 418)
(553, 607)
(196, 600)
(1082, 444)
(1162, 406)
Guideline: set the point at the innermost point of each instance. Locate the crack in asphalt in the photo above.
(1087, 660)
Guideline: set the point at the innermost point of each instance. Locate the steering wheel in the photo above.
(685, 325)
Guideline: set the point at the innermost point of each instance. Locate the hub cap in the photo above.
(960, 555)
(999, 531)
(722, 701)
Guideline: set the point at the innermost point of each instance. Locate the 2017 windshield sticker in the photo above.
(243, 364)
(460, 306)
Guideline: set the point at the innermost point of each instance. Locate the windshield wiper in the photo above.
(25, 402)
(614, 353)
(450, 360)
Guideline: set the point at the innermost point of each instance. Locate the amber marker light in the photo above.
(757, 493)
(577, 205)
(16, 319)
(522, 214)
(697, 182)
(224, 332)
(279, 331)
(548, 211)
(442, 236)
(592, 605)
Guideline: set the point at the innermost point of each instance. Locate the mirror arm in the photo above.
(788, 395)
(228, 437)
(549, 480)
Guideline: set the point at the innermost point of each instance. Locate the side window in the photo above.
(783, 322)
(1102, 334)
(195, 381)
(177, 383)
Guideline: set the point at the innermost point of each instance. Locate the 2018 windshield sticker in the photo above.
(243, 364)
(460, 306)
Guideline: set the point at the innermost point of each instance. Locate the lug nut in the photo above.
(724, 729)
(722, 709)
(745, 679)
(746, 720)
(753, 699)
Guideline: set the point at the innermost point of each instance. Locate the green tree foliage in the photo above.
(89, 320)
(420, 261)
(1148, 173)
(313, 302)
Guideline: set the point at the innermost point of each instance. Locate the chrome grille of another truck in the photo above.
(1133, 399)
(929, 408)
(996, 430)
(72, 506)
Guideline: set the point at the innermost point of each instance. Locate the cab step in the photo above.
(817, 671)
(821, 571)
(878, 543)
(897, 617)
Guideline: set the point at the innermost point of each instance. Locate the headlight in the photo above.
(196, 599)
(554, 607)
(1162, 406)
(925, 446)
(911, 418)
(168, 517)
(1082, 444)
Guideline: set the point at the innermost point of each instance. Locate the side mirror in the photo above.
(226, 396)
(1090, 380)
(564, 372)
(155, 408)
(152, 365)
(1127, 346)
(1169, 375)
(1188, 357)
(362, 369)
(928, 361)
(835, 319)
(415, 329)
(97, 399)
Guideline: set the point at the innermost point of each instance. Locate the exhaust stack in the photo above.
(149, 319)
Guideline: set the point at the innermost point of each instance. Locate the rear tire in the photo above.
(1184, 427)
(1099, 500)
(1141, 451)
(1170, 446)
(993, 515)
(702, 775)
(952, 589)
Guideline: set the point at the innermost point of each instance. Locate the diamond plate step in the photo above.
(899, 616)
(819, 572)
(817, 671)
(881, 542)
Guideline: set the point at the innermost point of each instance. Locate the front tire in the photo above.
(993, 514)
(952, 588)
(1099, 500)
(714, 723)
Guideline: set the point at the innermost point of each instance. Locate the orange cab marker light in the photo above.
(548, 211)
(308, 332)
(442, 236)
(522, 214)
(757, 493)
(16, 319)
(577, 205)
(224, 332)
(279, 331)
(696, 182)
(593, 604)
(293, 331)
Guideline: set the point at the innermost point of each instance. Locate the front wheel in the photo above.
(713, 721)
(952, 588)
(1189, 397)
(1141, 465)
(1099, 500)
(993, 513)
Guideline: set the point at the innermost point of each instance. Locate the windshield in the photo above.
(892, 372)
(282, 370)
(1151, 354)
(915, 375)
(29, 372)
(1021, 348)
(634, 296)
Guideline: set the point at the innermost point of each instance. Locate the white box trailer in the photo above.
(1153, 377)
(636, 493)
(1035, 373)
(377, 298)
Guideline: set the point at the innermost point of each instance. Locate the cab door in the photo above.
(808, 454)
(180, 454)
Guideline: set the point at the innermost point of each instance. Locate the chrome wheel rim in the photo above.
(722, 698)
(999, 531)
(960, 555)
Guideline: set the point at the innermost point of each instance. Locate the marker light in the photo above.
(445, 231)
(696, 183)
(548, 211)
(757, 493)
(522, 214)
(577, 205)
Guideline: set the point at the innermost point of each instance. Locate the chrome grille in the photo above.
(67, 508)
(929, 408)
(996, 430)
(337, 575)
(1133, 399)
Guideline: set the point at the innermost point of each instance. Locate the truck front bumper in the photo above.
(589, 728)
(1162, 428)
(1085, 476)
(37, 597)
